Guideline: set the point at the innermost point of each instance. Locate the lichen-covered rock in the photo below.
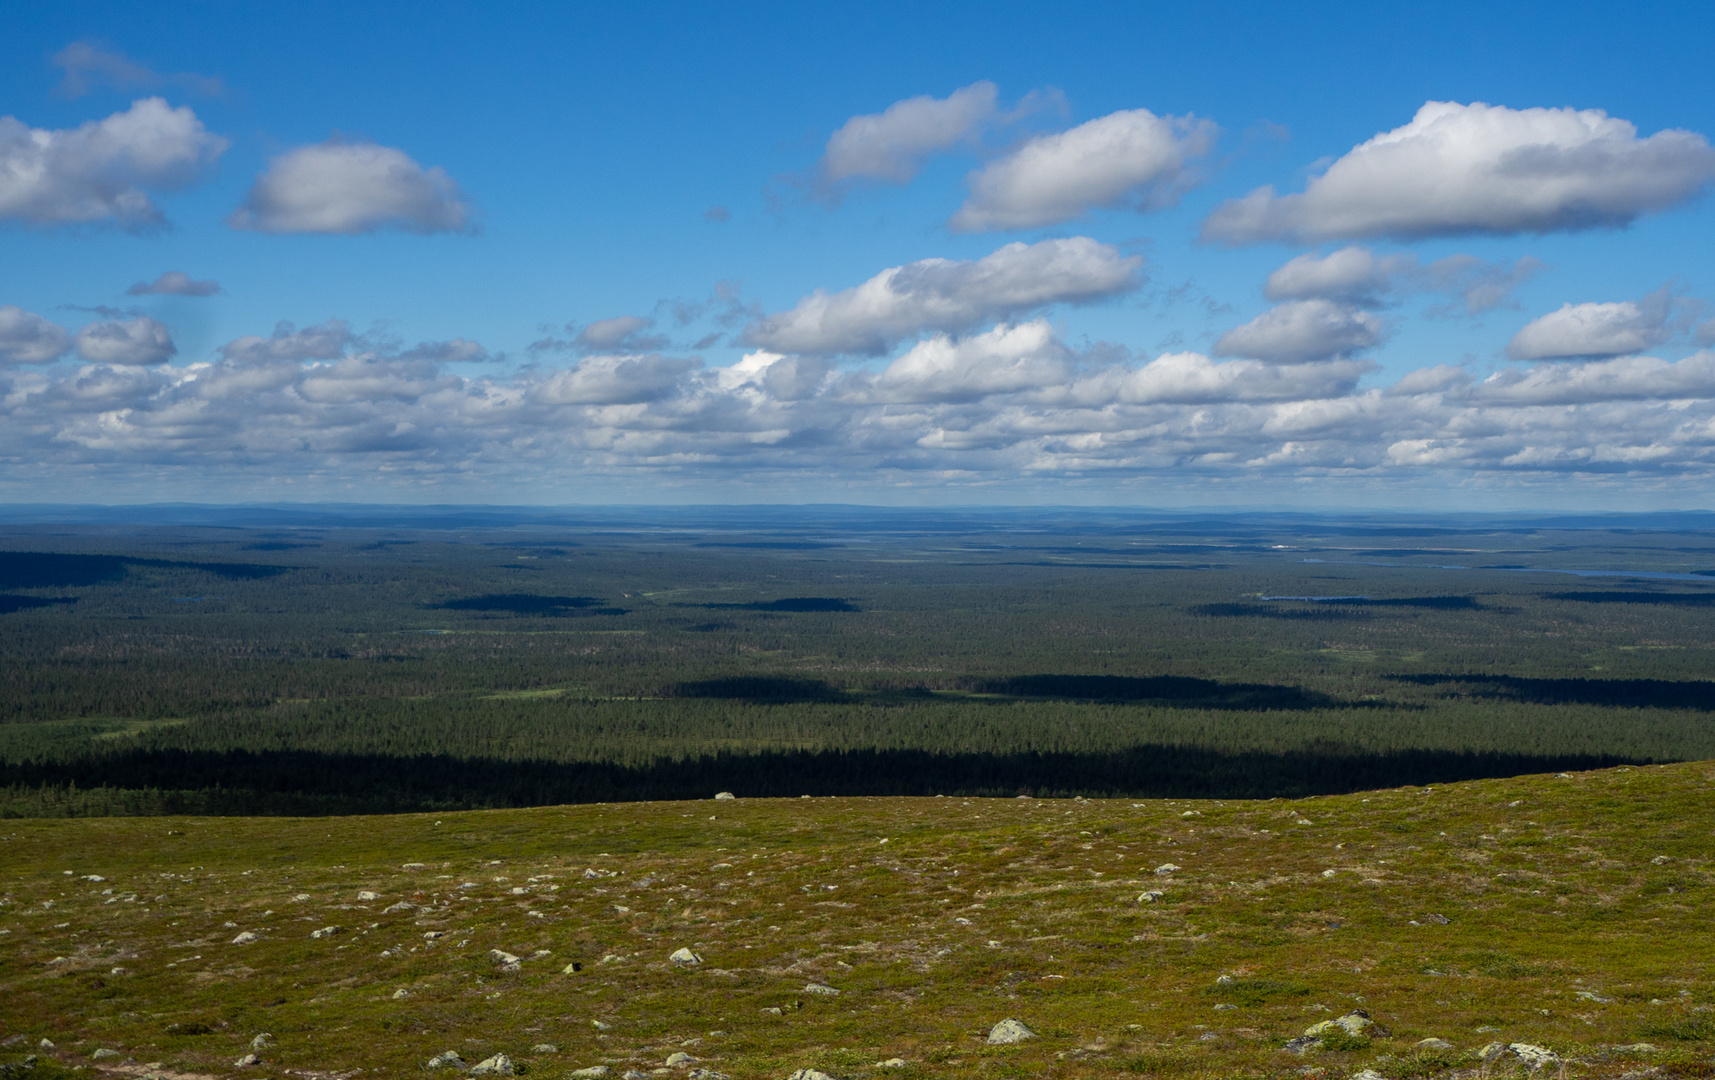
(594, 1072)
(1537, 1057)
(820, 988)
(1356, 1022)
(1303, 1044)
(1009, 1031)
(724, 796)
(244, 938)
(447, 1060)
(809, 1074)
(1434, 1044)
(498, 1065)
(105, 1054)
(674, 1060)
(686, 957)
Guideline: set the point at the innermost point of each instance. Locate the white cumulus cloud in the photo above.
(137, 342)
(1004, 360)
(349, 188)
(948, 296)
(102, 171)
(1612, 329)
(1480, 169)
(1357, 275)
(27, 338)
(613, 380)
(624, 333)
(1300, 331)
(1623, 379)
(1133, 159)
(892, 145)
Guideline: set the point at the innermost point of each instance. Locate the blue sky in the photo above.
(454, 207)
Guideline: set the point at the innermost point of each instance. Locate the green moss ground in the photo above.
(1578, 916)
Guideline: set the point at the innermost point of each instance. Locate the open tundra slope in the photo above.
(1555, 922)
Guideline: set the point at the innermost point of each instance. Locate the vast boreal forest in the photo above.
(336, 661)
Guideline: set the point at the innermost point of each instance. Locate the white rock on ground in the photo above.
(448, 1060)
(262, 1042)
(400, 906)
(809, 1074)
(1434, 1044)
(708, 1074)
(725, 796)
(821, 988)
(1353, 1023)
(498, 1065)
(685, 956)
(105, 1054)
(544, 1048)
(1009, 1031)
(326, 931)
(594, 1072)
(1367, 1074)
(1492, 1051)
(1637, 1048)
(898, 1063)
(501, 956)
(245, 938)
(246, 1061)
(401, 994)
(1165, 868)
(1537, 1057)
(367, 895)
(1150, 897)
(678, 1058)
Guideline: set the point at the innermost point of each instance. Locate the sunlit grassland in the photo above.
(1576, 911)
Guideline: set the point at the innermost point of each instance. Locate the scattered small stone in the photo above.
(572, 968)
(774, 1010)
(707, 1074)
(367, 895)
(1367, 1074)
(1165, 868)
(544, 1048)
(1634, 1048)
(686, 957)
(400, 906)
(301, 897)
(1223, 980)
(1224, 1007)
(326, 931)
(498, 1065)
(1008, 1031)
(594, 1072)
(105, 1054)
(247, 1060)
(433, 934)
(1434, 1044)
(821, 988)
(633, 1074)
(262, 1042)
(1150, 896)
(809, 1074)
(448, 1060)
(1438, 920)
(678, 1058)
(1591, 995)
(46, 1044)
(401, 994)
(601, 1026)
(900, 1063)
(244, 938)
(1304, 1044)
(1492, 1051)
(724, 796)
(1661, 860)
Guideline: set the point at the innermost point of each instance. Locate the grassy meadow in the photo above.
(1568, 912)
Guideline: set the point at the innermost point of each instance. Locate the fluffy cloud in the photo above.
(891, 146)
(1132, 158)
(1626, 379)
(1583, 330)
(326, 341)
(349, 188)
(137, 342)
(1475, 169)
(613, 380)
(1005, 404)
(101, 171)
(174, 283)
(1004, 360)
(1357, 275)
(947, 296)
(622, 334)
(27, 338)
(1300, 331)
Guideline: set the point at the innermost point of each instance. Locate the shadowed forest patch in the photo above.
(532, 604)
(1625, 693)
(1174, 689)
(9, 603)
(1695, 600)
